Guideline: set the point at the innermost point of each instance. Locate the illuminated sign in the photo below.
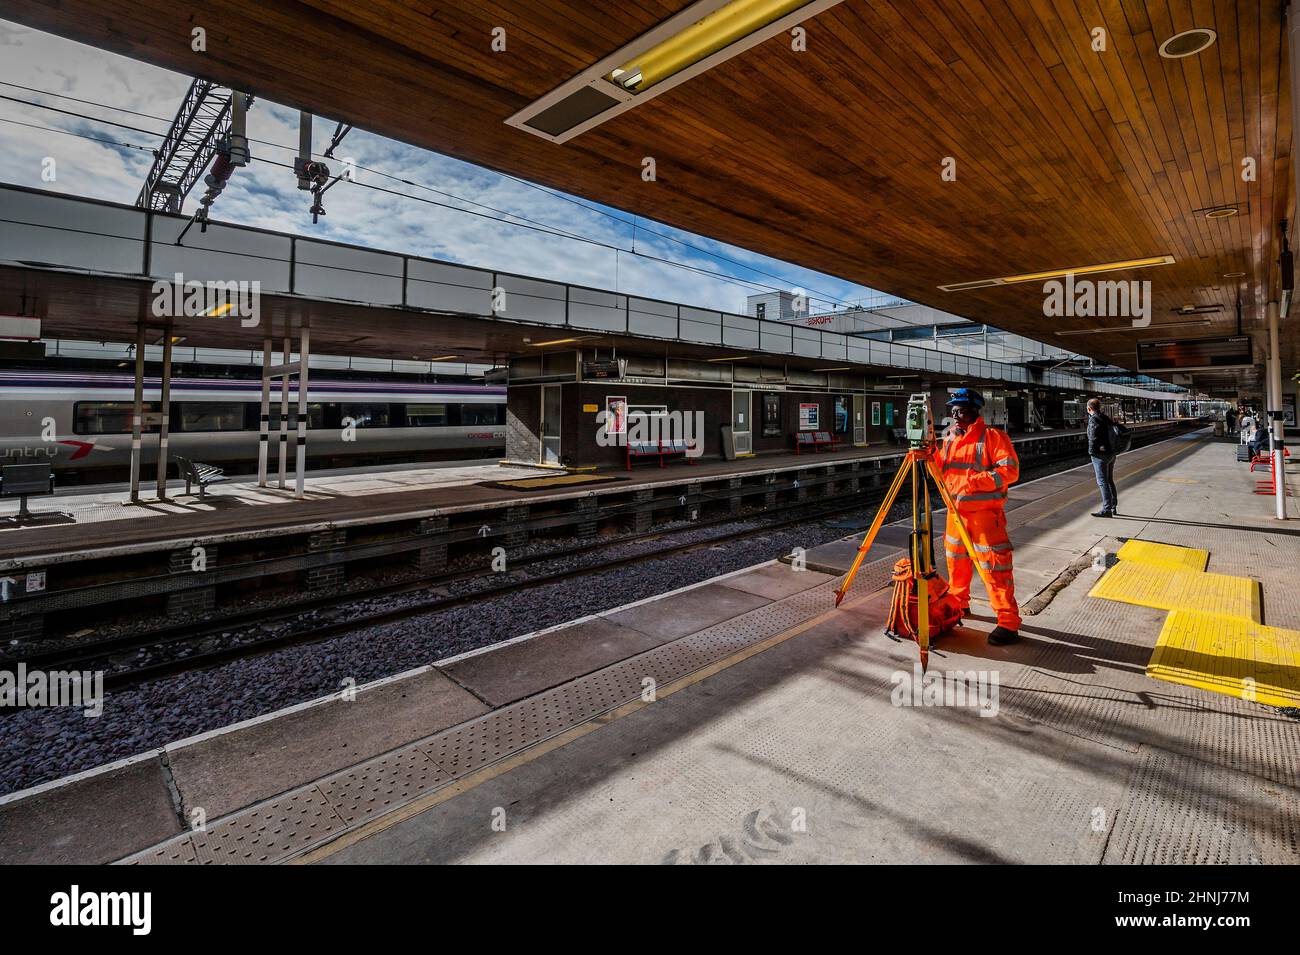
(1195, 354)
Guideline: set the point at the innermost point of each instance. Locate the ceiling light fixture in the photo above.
(836, 368)
(444, 358)
(1187, 43)
(1145, 263)
(1219, 212)
(697, 39)
(562, 341)
(733, 358)
(1154, 327)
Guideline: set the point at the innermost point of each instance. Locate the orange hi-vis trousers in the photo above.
(988, 534)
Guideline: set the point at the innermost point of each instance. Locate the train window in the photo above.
(427, 416)
(108, 417)
(211, 416)
(253, 415)
(471, 415)
(366, 416)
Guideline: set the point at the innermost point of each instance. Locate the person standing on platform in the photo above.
(1246, 423)
(1101, 451)
(978, 464)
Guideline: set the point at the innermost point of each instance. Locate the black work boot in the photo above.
(1000, 635)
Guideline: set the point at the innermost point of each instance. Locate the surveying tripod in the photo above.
(919, 462)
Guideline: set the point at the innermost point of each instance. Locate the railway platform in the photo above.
(185, 554)
(747, 719)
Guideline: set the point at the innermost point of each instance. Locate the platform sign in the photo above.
(809, 416)
(1195, 354)
(604, 368)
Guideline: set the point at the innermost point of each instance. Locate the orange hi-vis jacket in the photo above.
(978, 467)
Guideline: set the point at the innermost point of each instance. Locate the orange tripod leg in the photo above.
(869, 539)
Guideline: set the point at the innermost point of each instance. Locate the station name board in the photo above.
(1195, 354)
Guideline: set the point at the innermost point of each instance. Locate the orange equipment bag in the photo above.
(945, 612)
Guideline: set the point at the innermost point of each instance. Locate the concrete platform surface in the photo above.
(759, 723)
(825, 748)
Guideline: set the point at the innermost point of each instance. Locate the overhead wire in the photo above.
(524, 221)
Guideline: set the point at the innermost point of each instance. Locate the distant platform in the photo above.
(75, 521)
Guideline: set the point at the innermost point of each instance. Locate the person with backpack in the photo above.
(1104, 440)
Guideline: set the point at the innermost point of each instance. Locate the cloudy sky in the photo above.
(263, 194)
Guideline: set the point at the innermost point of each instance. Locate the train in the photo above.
(81, 422)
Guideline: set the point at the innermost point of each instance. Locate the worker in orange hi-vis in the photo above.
(978, 464)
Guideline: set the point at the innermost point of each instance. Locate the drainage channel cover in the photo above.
(279, 829)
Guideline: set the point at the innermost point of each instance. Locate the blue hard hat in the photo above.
(966, 396)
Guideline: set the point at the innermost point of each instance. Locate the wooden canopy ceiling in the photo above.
(831, 157)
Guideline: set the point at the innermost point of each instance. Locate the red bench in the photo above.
(814, 441)
(663, 450)
(1265, 460)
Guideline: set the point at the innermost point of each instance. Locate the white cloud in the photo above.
(266, 195)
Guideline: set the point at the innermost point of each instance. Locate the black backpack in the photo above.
(1121, 439)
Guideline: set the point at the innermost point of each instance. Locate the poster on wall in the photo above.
(616, 414)
(875, 412)
(771, 415)
(1288, 410)
(889, 413)
(841, 414)
(809, 416)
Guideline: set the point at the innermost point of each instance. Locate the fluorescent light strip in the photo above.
(691, 42)
(1062, 273)
(1155, 327)
(735, 358)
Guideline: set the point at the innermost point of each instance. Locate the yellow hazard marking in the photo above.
(1168, 589)
(1164, 555)
(1229, 655)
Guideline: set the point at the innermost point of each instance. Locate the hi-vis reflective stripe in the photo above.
(997, 479)
(1003, 462)
(951, 540)
(987, 548)
(955, 556)
(987, 496)
(959, 465)
(996, 568)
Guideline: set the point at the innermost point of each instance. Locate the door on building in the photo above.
(550, 451)
(741, 428)
(859, 420)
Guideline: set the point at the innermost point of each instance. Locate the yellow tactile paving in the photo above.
(1229, 655)
(1164, 555)
(1168, 589)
